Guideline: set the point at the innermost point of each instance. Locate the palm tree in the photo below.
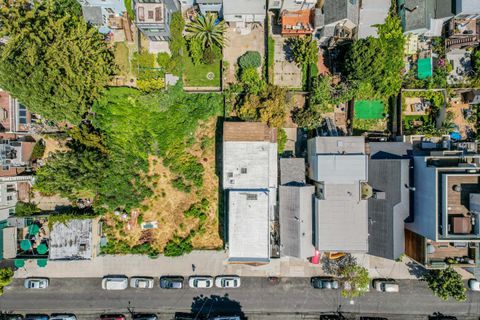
(207, 31)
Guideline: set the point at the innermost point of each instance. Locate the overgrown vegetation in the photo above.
(38, 150)
(6, 277)
(270, 59)
(26, 209)
(250, 59)
(178, 246)
(133, 126)
(446, 283)
(115, 246)
(54, 62)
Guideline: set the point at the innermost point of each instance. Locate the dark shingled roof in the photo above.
(386, 216)
(336, 10)
(93, 15)
(292, 171)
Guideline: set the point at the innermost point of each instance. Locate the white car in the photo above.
(474, 285)
(385, 285)
(200, 282)
(227, 281)
(115, 283)
(141, 282)
(59, 316)
(36, 283)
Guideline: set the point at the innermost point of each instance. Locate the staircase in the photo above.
(460, 42)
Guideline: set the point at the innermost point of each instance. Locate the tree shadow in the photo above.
(416, 270)
(205, 308)
(333, 266)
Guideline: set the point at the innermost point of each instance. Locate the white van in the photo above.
(384, 285)
(115, 283)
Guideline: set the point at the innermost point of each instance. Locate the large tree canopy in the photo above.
(52, 61)
(375, 64)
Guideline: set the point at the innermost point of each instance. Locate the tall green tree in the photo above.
(446, 283)
(208, 31)
(6, 277)
(304, 50)
(356, 278)
(53, 61)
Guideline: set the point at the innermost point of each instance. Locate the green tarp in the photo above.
(424, 68)
(369, 109)
(33, 229)
(42, 248)
(19, 263)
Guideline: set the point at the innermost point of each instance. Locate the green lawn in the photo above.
(369, 109)
(121, 58)
(196, 75)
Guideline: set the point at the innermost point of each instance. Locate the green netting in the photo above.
(33, 229)
(424, 68)
(369, 109)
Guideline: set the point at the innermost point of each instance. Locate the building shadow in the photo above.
(204, 307)
(222, 223)
(416, 270)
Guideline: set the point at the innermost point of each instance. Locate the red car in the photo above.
(112, 317)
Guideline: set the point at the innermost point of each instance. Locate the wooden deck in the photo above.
(248, 131)
(445, 250)
(458, 202)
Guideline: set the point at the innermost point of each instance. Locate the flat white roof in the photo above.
(244, 7)
(250, 165)
(248, 225)
(340, 169)
(342, 225)
(372, 12)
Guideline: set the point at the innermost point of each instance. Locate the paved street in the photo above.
(256, 295)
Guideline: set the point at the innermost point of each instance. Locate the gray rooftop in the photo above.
(415, 15)
(296, 215)
(292, 171)
(390, 150)
(248, 225)
(387, 215)
(372, 12)
(93, 15)
(468, 7)
(337, 10)
(72, 240)
(231, 7)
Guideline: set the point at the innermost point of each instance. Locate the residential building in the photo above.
(105, 14)
(152, 18)
(372, 13)
(389, 207)
(204, 6)
(291, 5)
(425, 17)
(295, 210)
(338, 167)
(250, 177)
(336, 21)
(238, 13)
(15, 155)
(14, 116)
(444, 228)
(296, 23)
(467, 9)
(12, 190)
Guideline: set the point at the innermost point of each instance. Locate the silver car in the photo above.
(36, 283)
(200, 282)
(62, 316)
(115, 283)
(227, 281)
(141, 282)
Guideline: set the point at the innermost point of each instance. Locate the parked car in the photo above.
(144, 316)
(36, 317)
(36, 283)
(385, 285)
(227, 281)
(115, 283)
(171, 282)
(112, 316)
(474, 285)
(11, 317)
(63, 316)
(200, 282)
(141, 282)
(324, 283)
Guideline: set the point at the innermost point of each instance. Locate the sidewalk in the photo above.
(206, 263)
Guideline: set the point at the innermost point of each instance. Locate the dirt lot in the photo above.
(458, 109)
(166, 207)
(238, 44)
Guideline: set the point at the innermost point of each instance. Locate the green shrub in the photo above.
(282, 140)
(211, 54)
(38, 150)
(198, 210)
(163, 59)
(251, 81)
(251, 59)
(130, 13)
(177, 41)
(151, 85)
(121, 247)
(178, 246)
(195, 50)
(26, 209)
(6, 277)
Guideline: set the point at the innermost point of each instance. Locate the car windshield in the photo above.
(142, 283)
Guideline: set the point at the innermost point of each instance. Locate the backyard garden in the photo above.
(420, 110)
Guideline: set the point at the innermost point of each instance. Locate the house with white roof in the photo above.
(238, 13)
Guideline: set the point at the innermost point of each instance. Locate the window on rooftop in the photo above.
(243, 170)
(251, 196)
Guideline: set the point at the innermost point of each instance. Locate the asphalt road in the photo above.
(257, 295)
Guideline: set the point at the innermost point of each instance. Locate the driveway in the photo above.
(286, 74)
(237, 44)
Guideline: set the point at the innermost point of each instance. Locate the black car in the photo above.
(171, 282)
(145, 316)
(37, 317)
(11, 316)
